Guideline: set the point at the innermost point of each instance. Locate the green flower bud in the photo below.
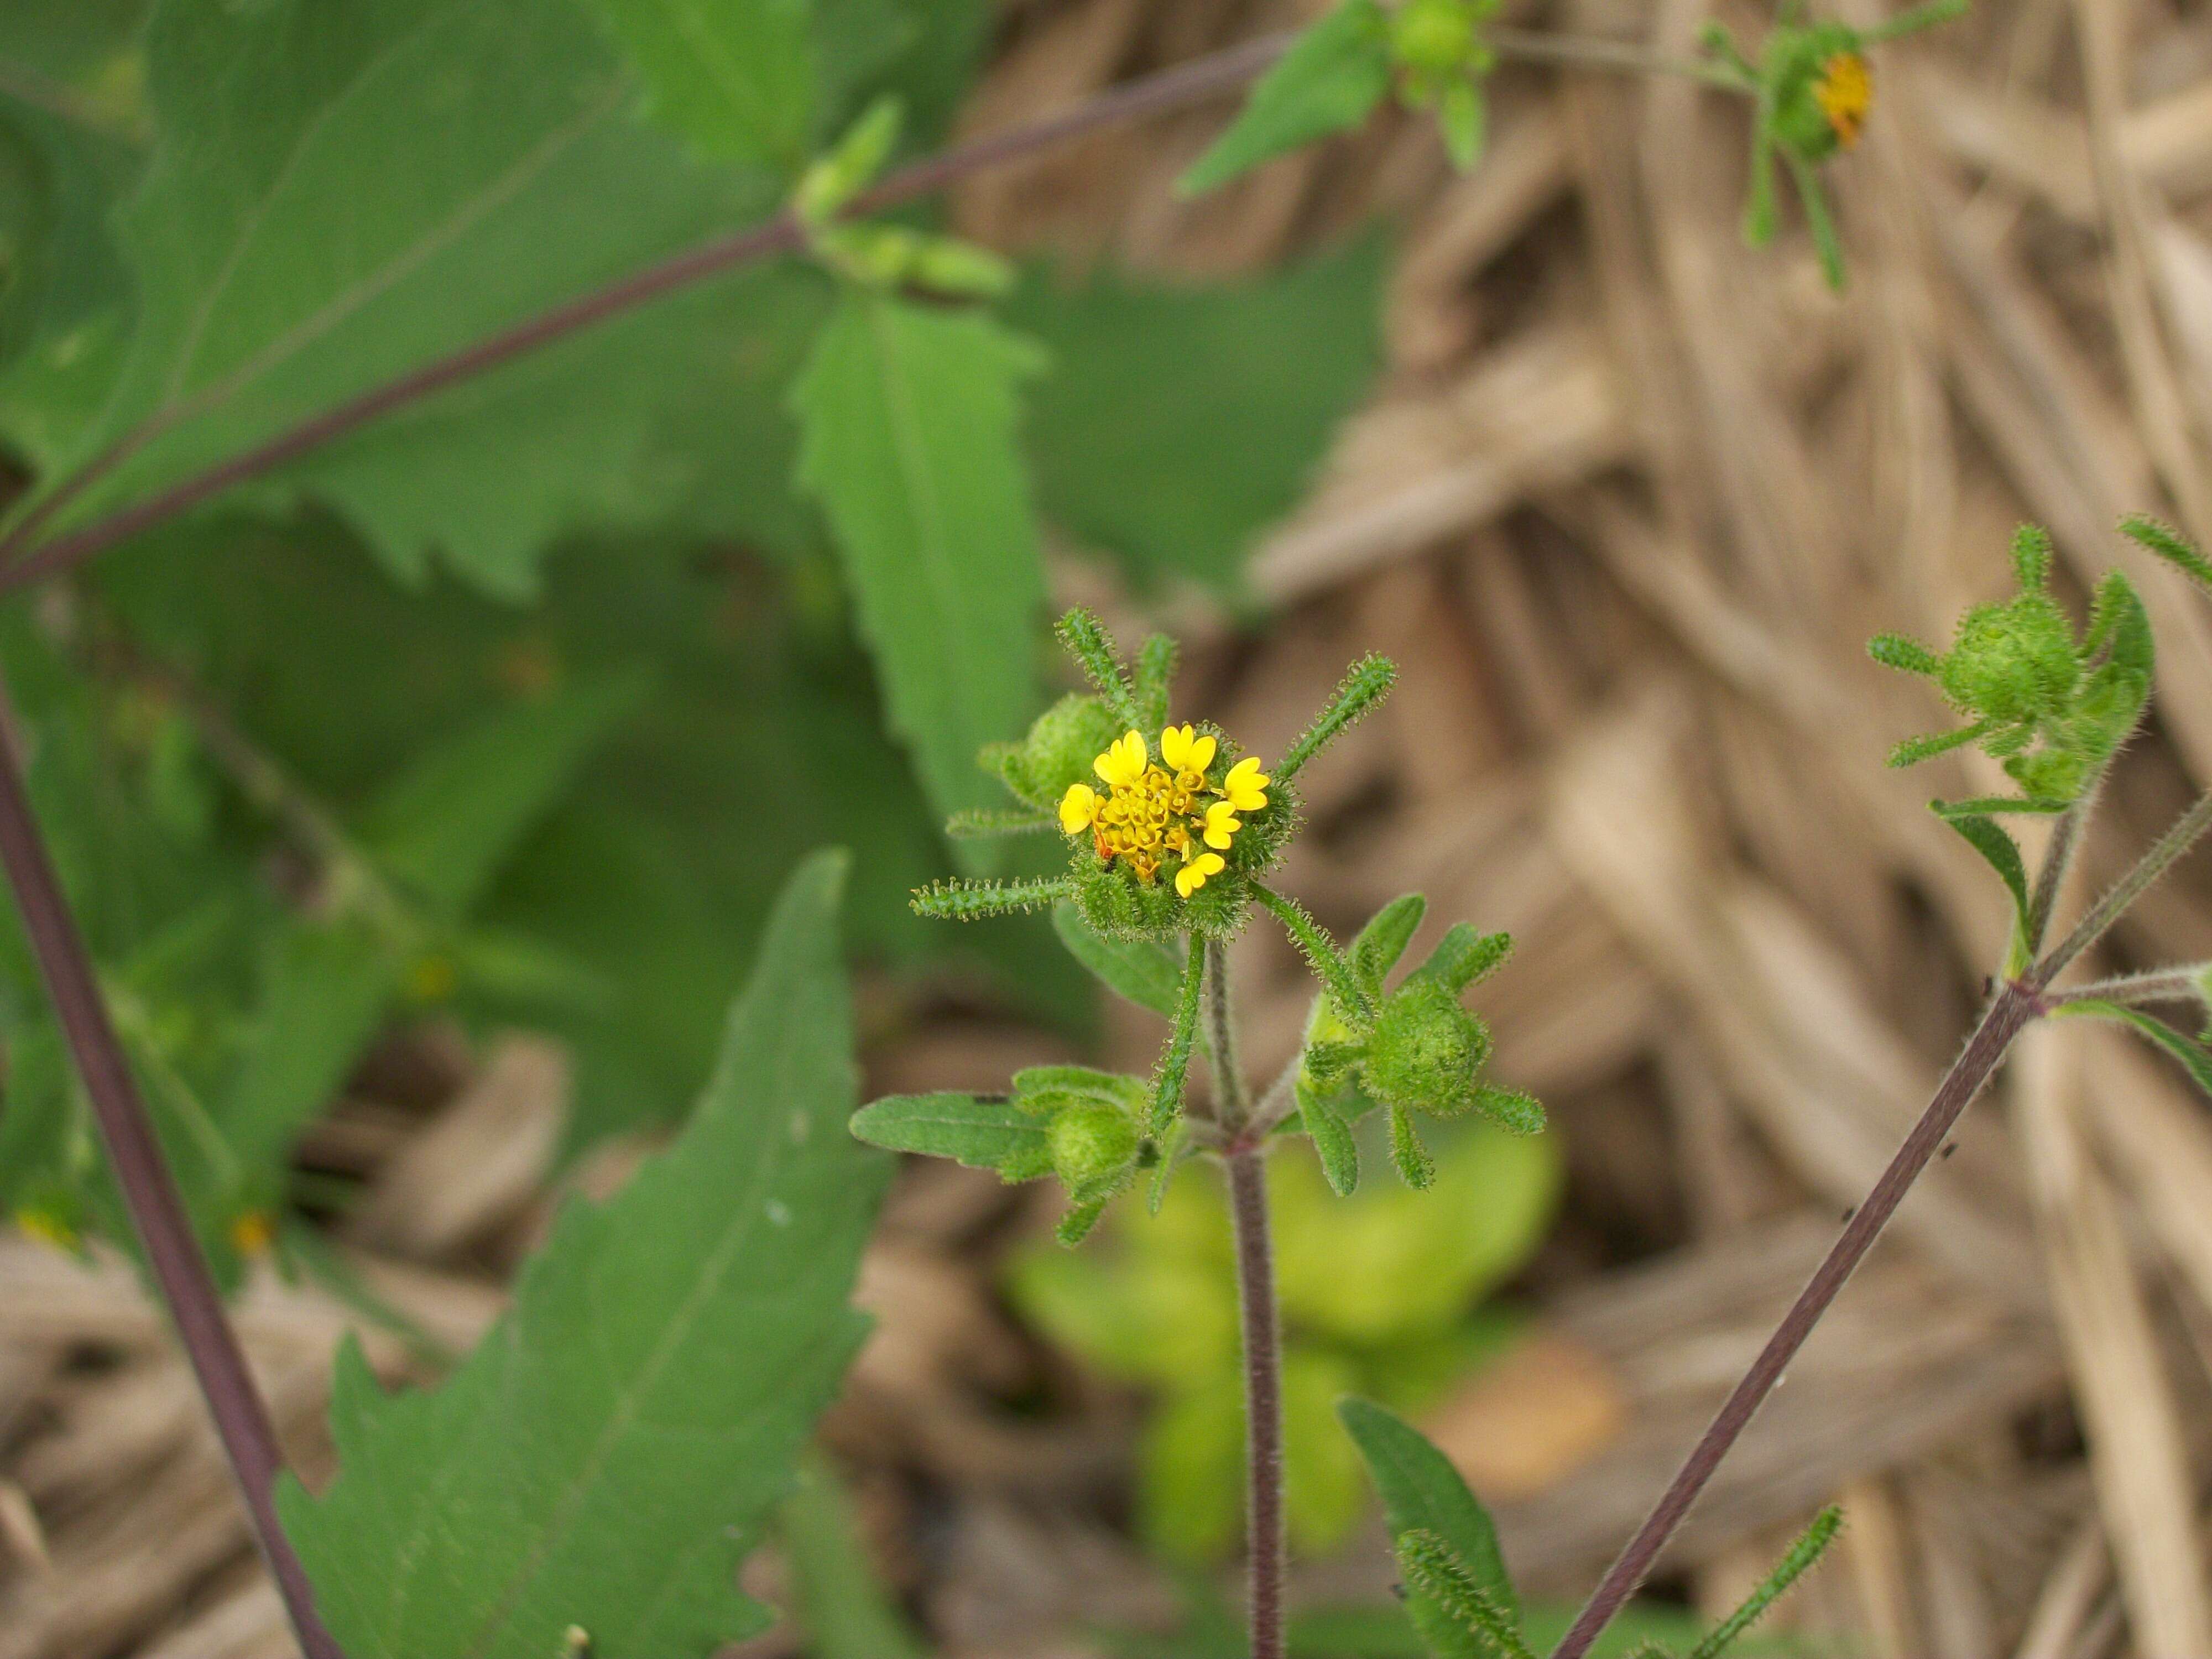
(1820, 87)
(1058, 751)
(2012, 662)
(1433, 36)
(1426, 1052)
(1091, 1143)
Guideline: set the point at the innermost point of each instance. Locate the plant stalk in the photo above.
(1585, 51)
(1265, 1540)
(2014, 1005)
(2169, 847)
(156, 1210)
(1232, 1105)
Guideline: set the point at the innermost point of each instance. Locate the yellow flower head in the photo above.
(1164, 813)
(1245, 787)
(1845, 92)
(1192, 875)
(1078, 809)
(1123, 762)
(252, 1232)
(49, 1229)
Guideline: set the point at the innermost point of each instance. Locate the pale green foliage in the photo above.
(909, 418)
(605, 1457)
(1375, 1295)
(1329, 81)
(2194, 1057)
(735, 77)
(846, 1613)
(1146, 973)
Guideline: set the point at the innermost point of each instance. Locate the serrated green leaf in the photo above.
(1422, 1491)
(605, 1457)
(2196, 1058)
(907, 419)
(1188, 388)
(443, 829)
(983, 1135)
(736, 77)
(339, 191)
(1329, 81)
(1146, 973)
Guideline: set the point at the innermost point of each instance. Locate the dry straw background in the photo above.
(1624, 504)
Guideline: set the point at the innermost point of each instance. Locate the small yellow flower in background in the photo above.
(1192, 875)
(1122, 764)
(1078, 809)
(1182, 751)
(48, 1229)
(1845, 92)
(1244, 786)
(1222, 824)
(252, 1232)
(1155, 814)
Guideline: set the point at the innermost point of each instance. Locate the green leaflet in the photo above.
(736, 77)
(1422, 1491)
(1143, 972)
(1996, 845)
(447, 825)
(845, 1611)
(1190, 389)
(340, 190)
(983, 1135)
(2195, 1058)
(1332, 77)
(606, 1455)
(907, 419)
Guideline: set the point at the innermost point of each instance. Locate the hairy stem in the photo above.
(156, 1210)
(1263, 1398)
(2169, 847)
(2153, 985)
(2009, 1011)
(1584, 51)
(1233, 1104)
(2057, 859)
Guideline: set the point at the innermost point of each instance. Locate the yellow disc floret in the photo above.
(1158, 813)
(1845, 92)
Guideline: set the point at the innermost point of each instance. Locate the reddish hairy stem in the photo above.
(2012, 1008)
(156, 1210)
(1171, 89)
(1263, 1398)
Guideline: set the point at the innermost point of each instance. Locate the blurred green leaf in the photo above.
(1144, 972)
(736, 77)
(908, 418)
(1329, 81)
(622, 1432)
(840, 1604)
(1175, 426)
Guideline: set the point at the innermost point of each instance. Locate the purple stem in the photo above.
(2013, 1007)
(1174, 89)
(1263, 1398)
(156, 1209)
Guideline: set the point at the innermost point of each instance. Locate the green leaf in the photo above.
(327, 990)
(1333, 1140)
(908, 418)
(1422, 1491)
(444, 829)
(1984, 805)
(1143, 971)
(340, 190)
(2195, 1058)
(1434, 1571)
(1329, 81)
(607, 1455)
(842, 1605)
(983, 1135)
(1189, 389)
(1378, 946)
(1995, 843)
(736, 77)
